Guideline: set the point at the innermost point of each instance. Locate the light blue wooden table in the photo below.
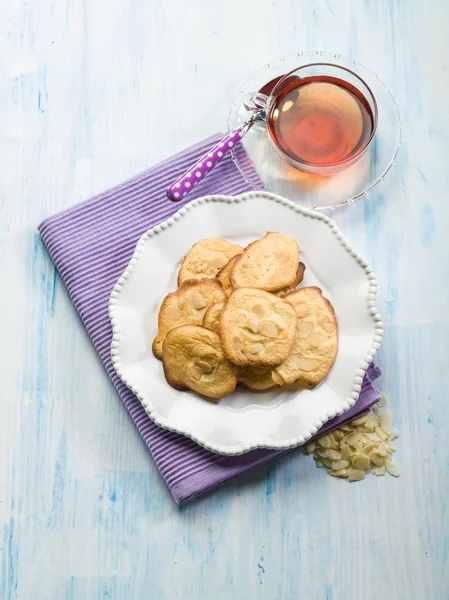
(95, 91)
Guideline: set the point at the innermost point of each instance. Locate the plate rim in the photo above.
(304, 435)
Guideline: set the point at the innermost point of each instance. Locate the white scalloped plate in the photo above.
(245, 420)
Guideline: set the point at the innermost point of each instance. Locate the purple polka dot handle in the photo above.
(182, 186)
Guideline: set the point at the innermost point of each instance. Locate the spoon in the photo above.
(254, 103)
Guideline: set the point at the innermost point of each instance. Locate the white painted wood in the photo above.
(93, 92)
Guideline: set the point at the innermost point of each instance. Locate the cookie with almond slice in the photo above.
(258, 379)
(257, 328)
(206, 258)
(212, 317)
(292, 288)
(225, 274)
(193, 359)
(186, 306)
(316, 341)
(269, 264)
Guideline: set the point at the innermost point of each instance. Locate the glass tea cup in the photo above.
(321, 117)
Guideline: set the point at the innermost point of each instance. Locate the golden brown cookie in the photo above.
(292, 288)
(257, 328)
(225, 273)
(256, 378)
(206, 258)
(316, 343)
(193, 359)
(186, 306)
(270, 264)
(212, 317)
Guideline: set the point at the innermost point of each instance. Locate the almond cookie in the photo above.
(212, 317)
(256, 378)
(193, 359)
(257, 328)
(316, 343)
(206, 258)
(225, 273)
(292, 288)
(270, 264)
(186, 306)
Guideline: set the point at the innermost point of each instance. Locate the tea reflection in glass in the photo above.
(321, 123)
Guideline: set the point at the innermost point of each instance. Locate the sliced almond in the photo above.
(361, 446)
(319, 464)
(356, 475)
(173, 313)
(269, 329)
(305, 328)
(258, 310)
(197, 301)
(341, 473)
(374, 437)
(307, 364)
(205, 366)
(337, 465)
(382, 401)
(253, 324)
(368, 447)
(379, 461)
(346, 452)
(371, 422)
(196, 371)
(381, 433)
(394, 434)
(382, 449)
(256, 349)
(386, 421)
(310, 447)
(361, 461)
(333, 454)
(324, 441)
(389, 448)
(392, 468)
(332, 440)
(353, 439)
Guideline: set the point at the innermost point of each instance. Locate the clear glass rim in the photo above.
(320, 53)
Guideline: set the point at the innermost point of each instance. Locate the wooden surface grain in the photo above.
(93, 92)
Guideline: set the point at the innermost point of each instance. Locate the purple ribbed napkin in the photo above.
(91, 245)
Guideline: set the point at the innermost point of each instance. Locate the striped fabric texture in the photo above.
(91, 245)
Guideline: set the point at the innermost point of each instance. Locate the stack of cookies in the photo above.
(237, 317)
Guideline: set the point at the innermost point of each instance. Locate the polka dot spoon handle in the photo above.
(183, 185)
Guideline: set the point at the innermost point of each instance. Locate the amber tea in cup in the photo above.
(321, 118)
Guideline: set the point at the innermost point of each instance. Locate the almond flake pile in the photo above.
(362, 446)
